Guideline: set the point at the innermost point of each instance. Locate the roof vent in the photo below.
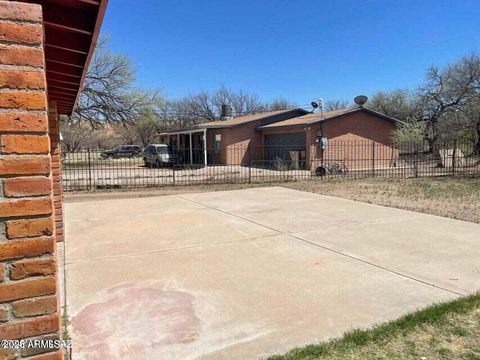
(226, 112)
(360, 100)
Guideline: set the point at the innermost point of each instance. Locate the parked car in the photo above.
(122, 151)
(158, 155)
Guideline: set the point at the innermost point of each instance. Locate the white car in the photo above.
(157, 155)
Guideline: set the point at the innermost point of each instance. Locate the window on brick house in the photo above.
(217, 142)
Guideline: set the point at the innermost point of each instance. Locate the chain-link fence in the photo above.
(95, 169)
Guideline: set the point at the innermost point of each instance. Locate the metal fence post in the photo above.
(89, 170)
(373, 158)
(454, 156)
(249, 164)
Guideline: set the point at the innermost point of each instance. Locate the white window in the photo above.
(217, 143)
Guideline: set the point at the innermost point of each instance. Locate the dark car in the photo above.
(122, 151)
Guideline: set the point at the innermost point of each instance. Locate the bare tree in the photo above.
(472, 120)
(400, 104)
(447, 91)
(108, 94)
(180, 114)
(331, 105)
(205, 106)
(244, 103)
(75, 135)
(279, 104)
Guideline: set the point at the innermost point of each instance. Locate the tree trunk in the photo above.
(477, 144)
(432, 136)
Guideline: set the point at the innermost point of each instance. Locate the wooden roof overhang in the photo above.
(71, 32)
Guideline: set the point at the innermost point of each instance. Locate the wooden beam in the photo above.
(62, 84)
(58, 79)
(68, 18)
(64, 63)
(65, 28)
(57, 67)
(60, 88)
(65, 57)
(59, 94)
(62, 75)
(67, 40)
(91, 2)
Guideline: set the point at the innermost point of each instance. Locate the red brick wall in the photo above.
(28, 281)
(238, 143)
(216, 159)
(355, 139)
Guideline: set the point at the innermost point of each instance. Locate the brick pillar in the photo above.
(55, 150)
(28, 281)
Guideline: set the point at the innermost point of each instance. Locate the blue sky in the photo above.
(296, 49)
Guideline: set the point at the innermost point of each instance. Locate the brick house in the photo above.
(224, 142)
(350, 136)
(45, 48)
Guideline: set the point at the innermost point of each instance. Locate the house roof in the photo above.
(237, 121)
(313, 118)
(71, 31)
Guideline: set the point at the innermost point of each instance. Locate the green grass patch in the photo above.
(434, 333)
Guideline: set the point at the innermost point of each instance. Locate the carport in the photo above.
(185, 137)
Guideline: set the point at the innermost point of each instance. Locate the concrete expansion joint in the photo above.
(293, 236)
(377, 266)
(173, 249)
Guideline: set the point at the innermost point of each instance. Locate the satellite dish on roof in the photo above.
(360, 100)
(317, 104)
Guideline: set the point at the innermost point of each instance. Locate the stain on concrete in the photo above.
(134, 320)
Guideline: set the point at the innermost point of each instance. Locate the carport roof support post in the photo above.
(190, 133)
(191, 147)
(205, 147)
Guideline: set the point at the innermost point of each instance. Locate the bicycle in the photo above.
(331, 169)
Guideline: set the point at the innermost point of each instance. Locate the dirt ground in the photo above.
(456, 198)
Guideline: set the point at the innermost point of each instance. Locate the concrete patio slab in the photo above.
(118, 227)
(243, 274)
(450, 259)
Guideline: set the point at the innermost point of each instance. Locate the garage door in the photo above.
(280, 145)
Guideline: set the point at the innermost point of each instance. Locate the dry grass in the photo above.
(456, 198)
